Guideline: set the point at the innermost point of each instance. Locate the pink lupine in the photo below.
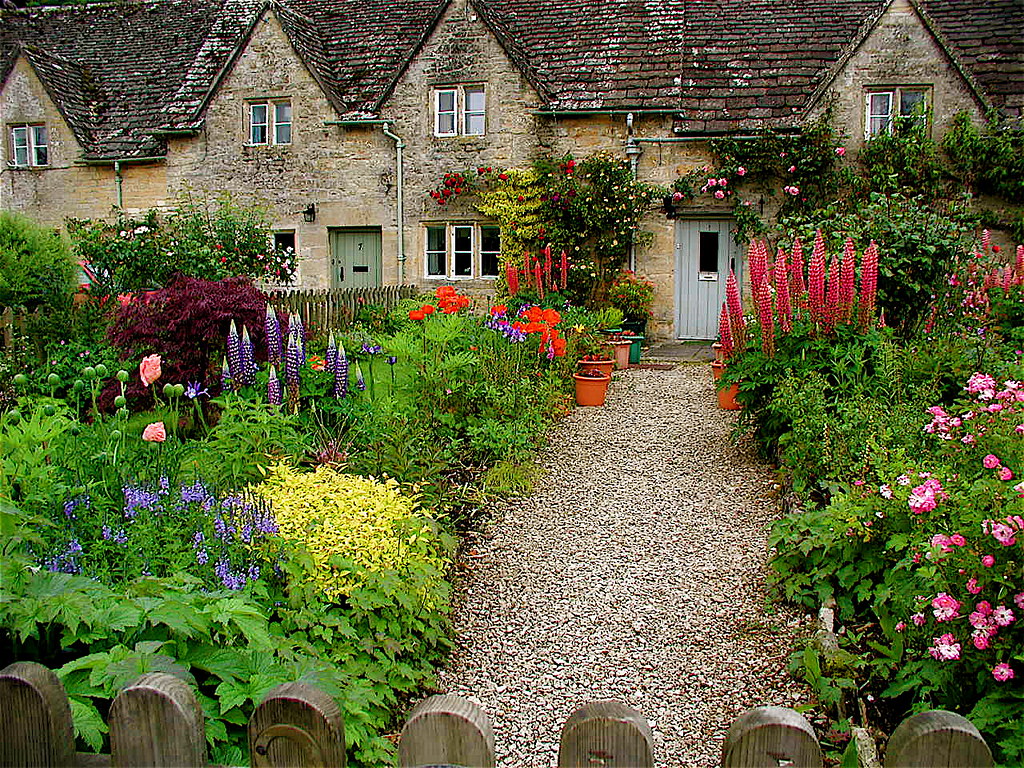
(868, 285)
(1018, 265)
(725, 333)
(833, 293)
(736, 323)
(797, 288)
(986, 240)
(757, 257)
(847, 275)
(816, 280)
(782, 299)
(765, 317)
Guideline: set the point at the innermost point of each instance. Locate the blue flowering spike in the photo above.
(273, 387)
(248, 359)
(225, 376)
(341, 373)
(272, 326)
(360, 381)
(235, 356)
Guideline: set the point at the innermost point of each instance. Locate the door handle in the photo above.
(341, 274)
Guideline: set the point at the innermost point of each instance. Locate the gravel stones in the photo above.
(634, 571)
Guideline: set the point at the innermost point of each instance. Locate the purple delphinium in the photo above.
(341, 373)
(73, 504)
(235, 363)
(65, 562)
(194, 493)
(275, 348)
(248, 359)
(138, 498)
(273, 387)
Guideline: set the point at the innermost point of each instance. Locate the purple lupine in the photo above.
(292, 364)
(341, 373)
(194, 493)
(331, 357)
(360, 381)
(121, 537)
(296, 328)
(235, 363)
(248, 359)
(136, 499)
(72, 504)
(226, 383)
(272, 326)
(273, 387)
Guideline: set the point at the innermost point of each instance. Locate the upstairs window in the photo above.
(30, 146)
(460, 110)
(270, 122)
(462, 250)
(885, 109)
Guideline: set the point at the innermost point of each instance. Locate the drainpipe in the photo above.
(633, 152)
(400, 193)
(118, 179)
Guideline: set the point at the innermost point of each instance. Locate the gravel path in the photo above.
(635, 572)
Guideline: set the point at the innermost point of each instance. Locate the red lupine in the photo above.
(782, 298)
(986, 241)
(565, 269)
(847, 276)
(868, 285)
(1018, 268)
(548, 265)
(816, 280)
(540, 282)
(725, 333)
(512, 278)
(736, 324)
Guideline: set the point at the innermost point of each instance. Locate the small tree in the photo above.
(36, 268)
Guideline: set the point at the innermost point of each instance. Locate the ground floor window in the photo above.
(462, 250)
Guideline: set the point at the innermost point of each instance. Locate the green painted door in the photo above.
(355, 257)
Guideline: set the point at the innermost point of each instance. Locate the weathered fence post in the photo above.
(447, 731)
(606, 733)
(35, 718)
(771, 736)
(937, 739)
(156, 721)
(299, 726)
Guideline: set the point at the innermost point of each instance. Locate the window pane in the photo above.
(19, 143)
(446, 101)
(708, 256)
(490, 247)
(881, 104)
(283, 123)
(474, 117)
(436, 251)
(474, 125)
(444, 119)
(911, 102)
(40, 147)
(463, 251)
(258, 123)
(474, 99)
(284, 241)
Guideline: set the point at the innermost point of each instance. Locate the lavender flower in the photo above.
(227, 577)
(341, 373)
(106, 533)
(235, 362)
(275, 348)
(248, 359)
(273, 387)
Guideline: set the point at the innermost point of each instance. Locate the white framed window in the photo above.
(462, 250)
(30, 146)
(884, 106)
(460, 110)
(270, 122)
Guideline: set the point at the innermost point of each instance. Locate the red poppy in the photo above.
(427, 309)
(499, 309)
(416, 314)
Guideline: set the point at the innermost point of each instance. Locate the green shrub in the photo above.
(36, 268)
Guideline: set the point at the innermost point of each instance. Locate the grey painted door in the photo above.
(355, 257)
(705, 252)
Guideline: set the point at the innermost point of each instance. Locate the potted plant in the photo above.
(634, 296)
(597, 361)
(621, 344)
(591, 386)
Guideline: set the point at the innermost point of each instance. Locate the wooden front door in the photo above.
(355, 257)
(705, 252)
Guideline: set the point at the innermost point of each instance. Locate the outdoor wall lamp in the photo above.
(309, 213)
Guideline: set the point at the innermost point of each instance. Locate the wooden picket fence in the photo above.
(157, 721)
(337, 309)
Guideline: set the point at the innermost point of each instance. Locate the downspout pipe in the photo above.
(119, 184)
(400, 194)
(633, 152)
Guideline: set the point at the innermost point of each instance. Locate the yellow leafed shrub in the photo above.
(352, 525)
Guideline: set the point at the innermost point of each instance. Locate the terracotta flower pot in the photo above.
(621, 349)
(717, 369)
(591, 390)
(604, 366)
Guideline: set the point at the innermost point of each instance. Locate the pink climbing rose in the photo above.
(990, 461)
(945, 607)
(1002, 672)
(946, 648)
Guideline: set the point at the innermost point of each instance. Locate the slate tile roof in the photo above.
(122, 73)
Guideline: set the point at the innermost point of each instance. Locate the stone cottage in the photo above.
(341, 115)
